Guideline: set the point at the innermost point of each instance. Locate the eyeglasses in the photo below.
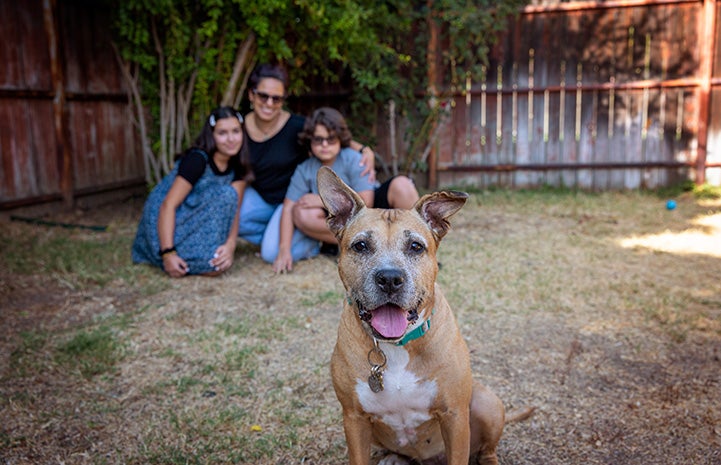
(265, 98)
(317, 140)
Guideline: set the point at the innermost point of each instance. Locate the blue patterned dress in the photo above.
(202, 221)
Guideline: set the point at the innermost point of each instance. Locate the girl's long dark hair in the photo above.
(206, 142)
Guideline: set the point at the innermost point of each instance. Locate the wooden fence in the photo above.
(66, 129)
(597, 95)
(594, 95)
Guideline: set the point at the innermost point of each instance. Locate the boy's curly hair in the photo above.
(333, 121)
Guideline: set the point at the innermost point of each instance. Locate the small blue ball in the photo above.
(671, 204)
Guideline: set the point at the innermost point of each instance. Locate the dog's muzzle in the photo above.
(386, 307)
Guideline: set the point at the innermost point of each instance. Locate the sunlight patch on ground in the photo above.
(703, 238)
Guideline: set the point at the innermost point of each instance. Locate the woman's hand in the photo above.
(283, 262)
(175, 266)
(368, 162)
(223, 258)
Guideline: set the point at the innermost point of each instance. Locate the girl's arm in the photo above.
(173, 264)
(224, 254)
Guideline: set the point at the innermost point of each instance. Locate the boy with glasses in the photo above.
(327, 136)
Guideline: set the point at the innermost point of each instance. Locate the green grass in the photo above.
(222, 435)
(25, 357)
(707, 192)
(244, 360)
(323, 298)
(87, 351)
(76, 259)
(704, 191)
(90, 352)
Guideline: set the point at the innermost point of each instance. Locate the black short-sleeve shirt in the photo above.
(275, 160)
(192, 166)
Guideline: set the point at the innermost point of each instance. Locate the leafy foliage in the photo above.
(470, 29)
(183, 54)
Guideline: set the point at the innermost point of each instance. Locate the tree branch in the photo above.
(241, 59)
(150, 163)
(163, 123)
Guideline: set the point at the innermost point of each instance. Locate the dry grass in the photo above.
(603, 311)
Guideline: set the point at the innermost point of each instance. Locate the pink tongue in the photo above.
(390, 321)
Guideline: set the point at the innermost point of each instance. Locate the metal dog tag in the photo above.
(375, 380)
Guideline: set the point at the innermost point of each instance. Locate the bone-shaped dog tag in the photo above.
(375, 380)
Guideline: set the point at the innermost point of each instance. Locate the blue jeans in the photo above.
(260, 225)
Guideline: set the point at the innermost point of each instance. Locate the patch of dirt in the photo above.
(617, 344)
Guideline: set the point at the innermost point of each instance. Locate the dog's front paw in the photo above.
(393, 459)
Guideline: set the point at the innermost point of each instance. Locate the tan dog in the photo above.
(400, 367)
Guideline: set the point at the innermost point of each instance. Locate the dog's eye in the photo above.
(360, 246)
(416, 247)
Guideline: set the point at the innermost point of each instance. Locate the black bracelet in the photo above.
(362, 149)
(164, 252)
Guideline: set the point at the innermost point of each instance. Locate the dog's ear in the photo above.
(436, 208)
(340, 200)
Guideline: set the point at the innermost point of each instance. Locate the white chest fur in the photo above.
(405, 401)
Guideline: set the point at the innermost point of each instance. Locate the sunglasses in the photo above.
(274, 99)
(317, 140)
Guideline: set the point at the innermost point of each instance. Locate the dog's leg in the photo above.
(358, 438)
(487, 420)
(454, 428)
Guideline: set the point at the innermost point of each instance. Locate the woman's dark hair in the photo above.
(268, 70)
(333, 121)
(206, 142)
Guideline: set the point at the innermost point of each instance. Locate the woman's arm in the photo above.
(368, 159)
(173, 264)
(284, 260)
(239, 187)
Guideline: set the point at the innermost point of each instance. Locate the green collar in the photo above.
(416, 333)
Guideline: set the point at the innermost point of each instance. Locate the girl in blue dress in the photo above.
(189, 223)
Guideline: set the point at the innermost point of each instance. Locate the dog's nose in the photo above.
(390, 280)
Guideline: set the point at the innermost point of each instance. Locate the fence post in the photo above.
(433, 57)
(706, 54)
(56, 70)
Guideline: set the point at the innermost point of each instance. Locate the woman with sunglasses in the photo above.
(189, 223)
(274, 155)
